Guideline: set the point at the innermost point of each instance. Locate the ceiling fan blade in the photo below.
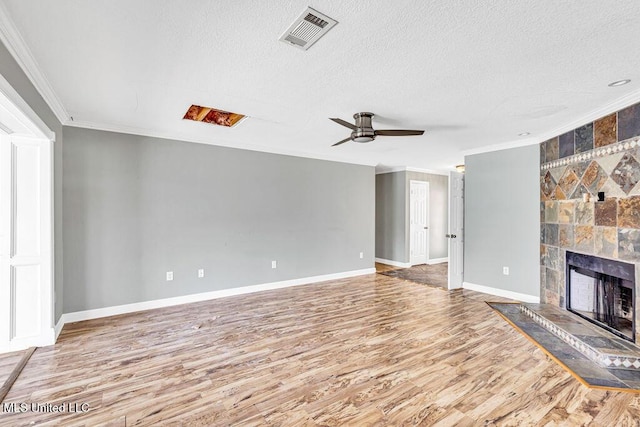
(399, 132)
(342, 142)
(344, 123)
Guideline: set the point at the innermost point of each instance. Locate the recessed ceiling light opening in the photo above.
(619, 83)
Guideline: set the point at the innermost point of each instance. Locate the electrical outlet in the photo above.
(169, 276)
(505, 271)
(274, 264)
(361, 255)
(201, 273)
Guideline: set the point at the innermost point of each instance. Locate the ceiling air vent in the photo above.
(307, 29)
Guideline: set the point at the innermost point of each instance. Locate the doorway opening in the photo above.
(418, 222)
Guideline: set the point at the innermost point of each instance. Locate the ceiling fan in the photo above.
(363, 132)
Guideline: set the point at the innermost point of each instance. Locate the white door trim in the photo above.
(456, 228)
(24, 121)
(26, 266)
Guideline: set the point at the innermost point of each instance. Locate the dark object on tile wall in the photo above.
(605, 131)
(551, 149)
(601, 196)
(584, 138)
(629, 122)
(566, 145)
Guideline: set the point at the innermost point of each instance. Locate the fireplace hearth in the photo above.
(602, 291)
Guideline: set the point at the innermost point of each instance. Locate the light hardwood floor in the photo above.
(372, 350)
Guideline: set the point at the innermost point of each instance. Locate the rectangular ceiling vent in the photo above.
(307, 29)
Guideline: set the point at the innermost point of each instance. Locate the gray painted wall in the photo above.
(438, 213)
(502, 220)
(137, 207)
(11, 71)
(390, 216)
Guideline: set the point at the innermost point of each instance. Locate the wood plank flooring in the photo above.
(372, 350)
(426, 274)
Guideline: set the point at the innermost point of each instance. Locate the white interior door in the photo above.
(418, 222)
(26, 218)
(456, 229)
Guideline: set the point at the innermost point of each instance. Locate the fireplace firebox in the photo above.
(602, 291)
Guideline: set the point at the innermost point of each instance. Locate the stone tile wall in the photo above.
(602, 156)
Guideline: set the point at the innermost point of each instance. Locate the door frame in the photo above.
(426, 257)
(455, 282)
(20, 127)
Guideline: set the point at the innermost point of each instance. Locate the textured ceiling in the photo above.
(474, 74)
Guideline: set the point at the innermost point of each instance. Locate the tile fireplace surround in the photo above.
(602, 156)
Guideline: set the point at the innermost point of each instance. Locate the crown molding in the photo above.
(610, 108)
(504, 146)
(17, 47)
(613, 107)
(130, 130)
(380, 169)
(429, 171)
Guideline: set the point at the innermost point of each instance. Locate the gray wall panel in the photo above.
(391, 204)
(502, 219)
(137, 207)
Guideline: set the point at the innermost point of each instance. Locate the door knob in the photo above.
(448, 236)
(426, 228)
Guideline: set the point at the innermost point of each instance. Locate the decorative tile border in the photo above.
(596, 152)
(606, 360)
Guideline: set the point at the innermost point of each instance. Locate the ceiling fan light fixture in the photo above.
(619, 83)
(363, 139)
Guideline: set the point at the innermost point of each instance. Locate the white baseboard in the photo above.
(58, 327)
(393, 263)
(501, 293)
(185, 299)
(438, 260)
(46, 338)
